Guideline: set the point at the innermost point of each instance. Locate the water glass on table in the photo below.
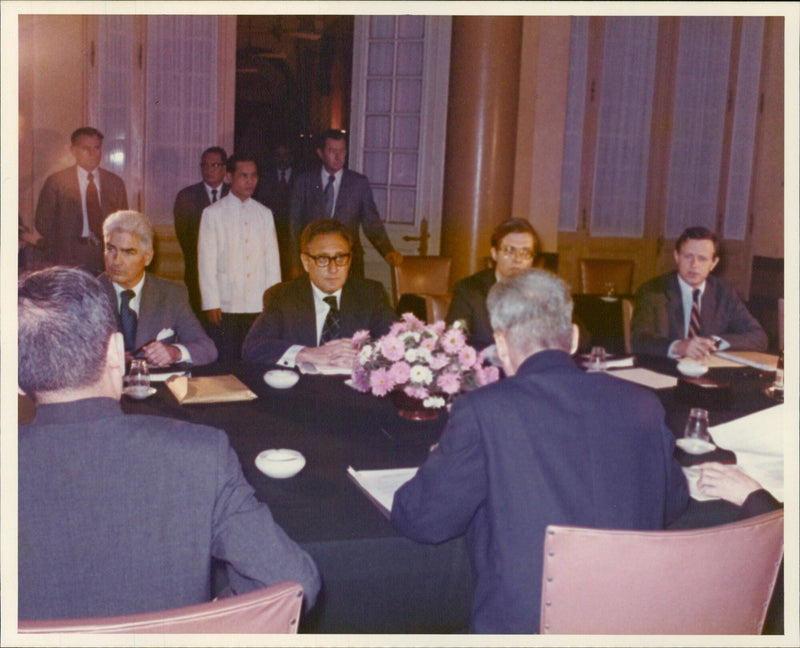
(137, 382)
(597, 359)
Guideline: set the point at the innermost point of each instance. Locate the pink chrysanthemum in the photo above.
(392, 348)
(413, 322)
(453, 340)
(467, 356)
(399, 373)
(381, 382)
(416, 392)
(361, 379)
(438, 361)
(449, 383)
(359, 337)
(438, 327)
(428, 343)
(486, 375)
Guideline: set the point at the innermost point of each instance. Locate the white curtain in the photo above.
(181, 106)
(623, 133)
(744, 129)
(700, 98)
(573, 136)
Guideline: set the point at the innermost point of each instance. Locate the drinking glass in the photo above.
(138, 378)
(697, 425)
(597, 359)
(609, 288)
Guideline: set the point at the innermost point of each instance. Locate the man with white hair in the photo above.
(153, 314)
(549, 444)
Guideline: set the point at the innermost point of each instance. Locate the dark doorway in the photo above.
(293, 78)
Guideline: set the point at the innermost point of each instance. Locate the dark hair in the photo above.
(234, 159)
(512, 226)
(698, 233)
(85, 130)
(66, 320)
(331, 133)
(324, 226)
(217, 150)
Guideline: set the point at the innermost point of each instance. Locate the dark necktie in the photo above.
(282, 181)
(329, 196)
(694, 321)
(213, 195)
(330, 329)
(127, 318)
(93, 211)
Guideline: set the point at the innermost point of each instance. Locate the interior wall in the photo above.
(52, 102)
(544, 70)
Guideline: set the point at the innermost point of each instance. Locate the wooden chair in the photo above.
(596, 274)
(424, 276)
(627, 318)
(271, 610)
(714, 580)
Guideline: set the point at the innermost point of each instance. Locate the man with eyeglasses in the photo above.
(308, 322)
(513, 250)
(237, 258)
(189, 205)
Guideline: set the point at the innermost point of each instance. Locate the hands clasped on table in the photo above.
(336, 353)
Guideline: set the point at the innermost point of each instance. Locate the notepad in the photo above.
(645, 377)
(381, 485)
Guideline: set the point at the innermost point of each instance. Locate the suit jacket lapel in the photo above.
(708, 308)
(306, 316)
(147, 305)
(675, 316)
(349, 305)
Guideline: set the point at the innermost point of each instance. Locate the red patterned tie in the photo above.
(694, 321)
(93, 211)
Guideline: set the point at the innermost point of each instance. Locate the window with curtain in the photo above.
(623, 133)
(393, 113)
(701, 89)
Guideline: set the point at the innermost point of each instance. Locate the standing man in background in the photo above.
(335, 192)
(74, 202)
(275, 191)
(189, 205)
(237, 258)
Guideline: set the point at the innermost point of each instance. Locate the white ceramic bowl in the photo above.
(281, 378)
(280, 463)
(692, 368)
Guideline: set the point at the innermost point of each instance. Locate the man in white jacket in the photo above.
(237, 258)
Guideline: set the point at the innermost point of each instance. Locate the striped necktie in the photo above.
(694, 320)
(330, 329)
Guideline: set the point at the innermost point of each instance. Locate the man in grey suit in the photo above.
(335, 192)
(121, 514)
(312, 318)
(189, 205)
(689, 312)
(149, 307)
(73, 203)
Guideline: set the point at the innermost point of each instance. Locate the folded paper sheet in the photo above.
(645, 377)
(209, 389)
(762, 361)
(380, 485)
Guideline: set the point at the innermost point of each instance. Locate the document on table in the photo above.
(762, 361)
(645, 377)
(310, 368)
(380, 485)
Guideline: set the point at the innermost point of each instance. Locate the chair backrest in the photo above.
(436, 307)
(715, 580)
(272, 610)
(421, 275)
(627, 318)
(597, 273)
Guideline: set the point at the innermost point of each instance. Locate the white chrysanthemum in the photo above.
(433, 402)
(423, 355)
(365, 353)
(411, 355)
(421, 375)
(410, 336)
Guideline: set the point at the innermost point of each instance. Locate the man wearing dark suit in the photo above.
(312, 318)
(335, 192)
(688, 312)
(189, 205)
(121, 514)
(513, 249)
(73, 203)
(275, 191)
(157, 305)
(540, 447)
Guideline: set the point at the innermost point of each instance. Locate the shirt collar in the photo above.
(319, 296)
(137, 289)
(83, 174)
(687, 290)
(324, 175)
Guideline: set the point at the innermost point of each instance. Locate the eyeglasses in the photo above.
(213, 165)
(508, 251)
(323, 260)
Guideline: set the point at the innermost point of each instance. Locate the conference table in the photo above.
(375, 581)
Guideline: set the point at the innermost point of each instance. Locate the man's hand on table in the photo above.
(336, 353)
(726, 481)
(696, 347)
(159, 354)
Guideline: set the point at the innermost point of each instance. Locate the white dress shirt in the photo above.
(237, 255)
(687, 301)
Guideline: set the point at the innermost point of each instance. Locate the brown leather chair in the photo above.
(596, 274)
(425, 276)
(271, 610)
(714, 580)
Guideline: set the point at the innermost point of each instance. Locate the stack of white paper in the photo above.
(380, 485)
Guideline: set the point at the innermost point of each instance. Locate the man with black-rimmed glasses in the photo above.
(312, 318)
